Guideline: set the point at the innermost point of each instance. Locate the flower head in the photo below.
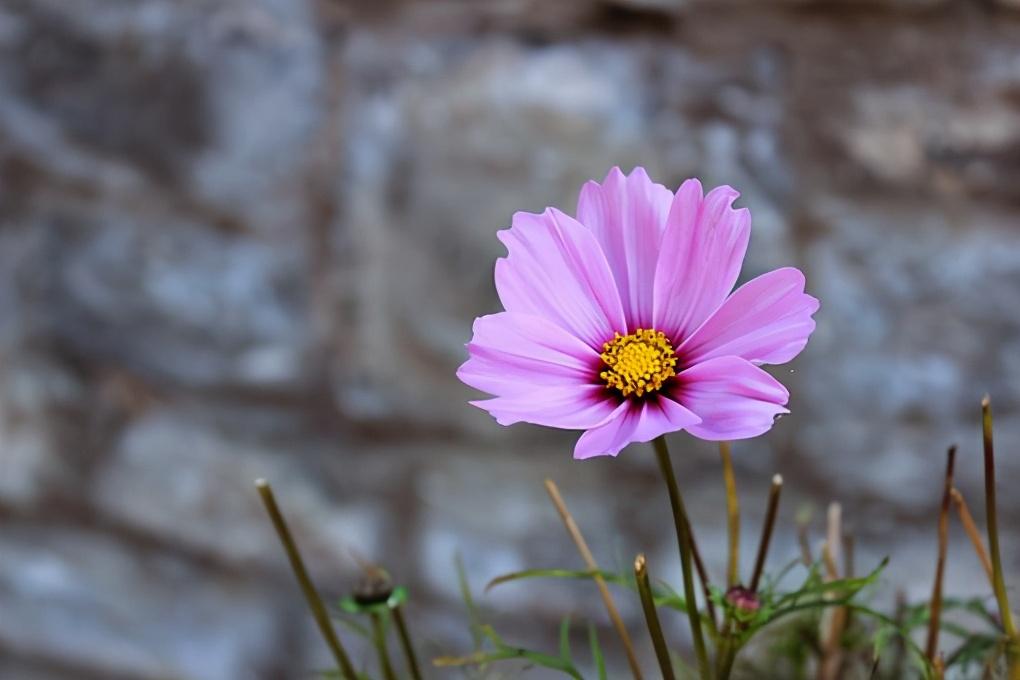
(624, 323)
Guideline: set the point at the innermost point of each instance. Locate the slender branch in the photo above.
(835, 619)
(766, 531)
(992, 520)
(379, 641)
(932, 647)
(589, 561)
(297, 565)
(732, 516)
(706, 588)
(652, 618)
(802, 538)
(680, 522)
(405, 643)
(973, 533)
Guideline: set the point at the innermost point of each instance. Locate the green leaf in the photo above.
(852, 585)
(596, 652)
(504, 652)
(565, 638)
(347, 621)
(609, 577)
(474, 618)
(662, 595)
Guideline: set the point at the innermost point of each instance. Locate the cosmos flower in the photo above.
(622, 322)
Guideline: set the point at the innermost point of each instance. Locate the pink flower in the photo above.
(622, 322)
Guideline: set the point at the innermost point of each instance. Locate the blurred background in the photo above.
(244, 238)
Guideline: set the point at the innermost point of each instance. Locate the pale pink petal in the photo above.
(514, 353)
(573, 407)
(540, 373)
(702, 252)
(766, 321)
(627, 214)
(634, 421)
(557, 270)
(734, 398)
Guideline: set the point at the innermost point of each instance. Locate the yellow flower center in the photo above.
(639, 362)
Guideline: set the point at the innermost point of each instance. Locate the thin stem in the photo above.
(297, 565)
(732, 516)
(932, 647)
(706, 588)
(992, 519)
(680, 522)
(589, 561)
(652, 618)
(834, 621)
(973, 533)
(766, 530)
(379, 641)
(405, 643)
(806, 558)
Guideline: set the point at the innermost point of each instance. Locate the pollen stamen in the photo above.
(638, 363)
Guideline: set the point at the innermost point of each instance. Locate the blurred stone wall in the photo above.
(244, 238)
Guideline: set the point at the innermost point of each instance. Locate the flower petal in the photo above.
(514, 353)
(702, 251)
(557, 270)
(627, 214)
(573, 407)
(634, 421)
(734, 398)
(540, 373)
(766, 321)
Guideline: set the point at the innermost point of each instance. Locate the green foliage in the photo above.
(596, 652)
(502, 651)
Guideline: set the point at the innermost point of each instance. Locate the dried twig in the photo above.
(973, 533)
(931, 649)
(589, 561)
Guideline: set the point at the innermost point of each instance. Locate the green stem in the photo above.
(297, 565)
(732, 516)
(405, 643)
(652, 618)
(680, 521)
(993, 520)
(379, 640)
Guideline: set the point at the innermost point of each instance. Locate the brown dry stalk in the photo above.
(835, 619)
(805, 545)
(589, 561)
(932, 647)
(973, 533)
(766, 530)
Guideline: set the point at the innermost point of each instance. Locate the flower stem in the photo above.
(297, 565)
(932, 647)
(652, 618)
(680, 521)
(766, 531)
(589, 561)
(379, 640)
(992, 520)
(699, 567)
(405, 643)
(732, 516)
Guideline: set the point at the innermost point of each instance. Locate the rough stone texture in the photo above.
(244, 238)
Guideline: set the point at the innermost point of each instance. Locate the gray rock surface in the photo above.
(247, 238)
